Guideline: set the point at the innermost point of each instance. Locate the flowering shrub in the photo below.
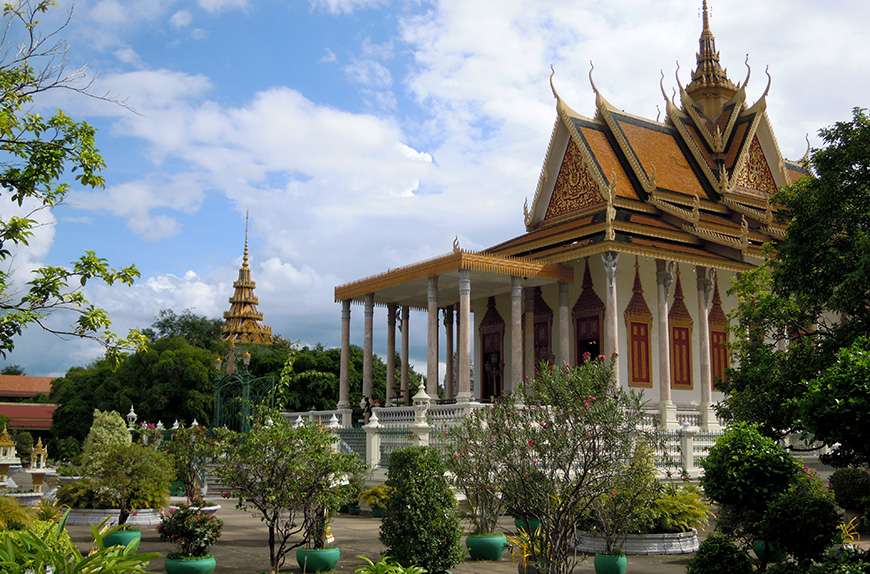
(192, 531)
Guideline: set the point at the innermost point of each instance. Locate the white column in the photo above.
(705, 294)
(432, 339)
(449, 375)
(406, 316)
(367, 345)
(344, 365)
(611, 325)
(464, 394)
(529, 334)
(391, 352)
(516, 337)
(664, 280)
(564, 326)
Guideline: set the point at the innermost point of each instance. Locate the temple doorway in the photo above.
(491, 344)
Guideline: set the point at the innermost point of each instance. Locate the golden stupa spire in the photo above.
(709, 79)
(243, 323)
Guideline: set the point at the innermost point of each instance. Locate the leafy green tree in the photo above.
(812, 299)
(12, 370)
(197, 330)
(291, 478)
(168, 380)
(108, 432)
(39, 153)
(133, 477)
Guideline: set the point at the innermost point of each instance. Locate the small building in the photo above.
(635, 231)
(17, 393)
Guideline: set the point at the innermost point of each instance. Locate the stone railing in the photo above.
(395, 416)
(343, 416)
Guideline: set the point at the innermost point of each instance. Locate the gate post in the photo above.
(373, 441)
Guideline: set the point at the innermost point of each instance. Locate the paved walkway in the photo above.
(242, 548)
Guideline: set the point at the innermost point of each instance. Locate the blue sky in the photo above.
(365, 134)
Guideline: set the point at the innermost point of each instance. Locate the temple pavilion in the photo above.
(635, 231)
(243, 323)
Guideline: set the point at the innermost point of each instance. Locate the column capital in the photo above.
(464, 282)
(706, 277)
(610, 259)
(665, 273)
(345, 308)
(370, 304)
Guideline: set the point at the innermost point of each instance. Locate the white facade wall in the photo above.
(684, 399)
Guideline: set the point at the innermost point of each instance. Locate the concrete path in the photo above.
(242, 548)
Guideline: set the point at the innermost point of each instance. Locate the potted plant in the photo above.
(377, 498)
(291, 478)
(194, 533)
(191, 449)
(633, 492)
(476, 471)
(132, 477)
(526, 550)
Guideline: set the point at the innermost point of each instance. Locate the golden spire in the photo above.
(709, 78)
(243, 323)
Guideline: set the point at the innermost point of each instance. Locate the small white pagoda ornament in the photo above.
(38, 465)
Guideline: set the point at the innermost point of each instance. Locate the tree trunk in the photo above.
(273, 560)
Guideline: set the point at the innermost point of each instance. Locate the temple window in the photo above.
(638, 323)
(492, 355)
(719, 354)
(680, 323)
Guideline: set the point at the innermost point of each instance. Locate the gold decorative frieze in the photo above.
(755, 177)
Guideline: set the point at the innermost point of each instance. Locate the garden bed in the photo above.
(670, 543)
(91, 516)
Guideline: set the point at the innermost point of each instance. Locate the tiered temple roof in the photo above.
(243, 323)
(695, 186)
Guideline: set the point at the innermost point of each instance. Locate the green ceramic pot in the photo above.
(317, 559)
(122, 538)
(204, 565)
(486, 546)
(767, 552)
(611, 564)
(528, 524)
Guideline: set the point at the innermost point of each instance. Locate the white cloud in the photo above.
(181, 19)
(328, 57)
(128, 55)
(199, 34)
(221, 5)
(344, 6)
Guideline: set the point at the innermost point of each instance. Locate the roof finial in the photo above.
(245, 253)
(748, 71)
(706, 16)
(677, 75)
(769, 79)
(552, 86)
(658, 112)
(805, 160)
(591, 81)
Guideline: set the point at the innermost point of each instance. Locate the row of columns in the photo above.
(459, 384)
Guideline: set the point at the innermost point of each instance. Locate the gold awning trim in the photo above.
(459, 260)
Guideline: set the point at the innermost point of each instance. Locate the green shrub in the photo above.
(680, 509)
(135, 476)
(107, 432)
(802, 521)
(387, 566)
(719, 555)
(194, 532)
(13, 516)
(421, 526)
(48, 510)
(843, 561)
(81, 494)
(377, 497)
(850, 485)
(23, 445)
(745, 470)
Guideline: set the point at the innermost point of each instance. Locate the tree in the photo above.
(12, 370)
(168, 380)
(38, 155)
(197, 330)
(107, 433)
(134, 476)
(289, 477)
(811, 298)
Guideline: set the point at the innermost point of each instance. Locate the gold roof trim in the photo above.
(459, 260)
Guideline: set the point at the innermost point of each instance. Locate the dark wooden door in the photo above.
(588, 336)
(492, 366)
(543, 351)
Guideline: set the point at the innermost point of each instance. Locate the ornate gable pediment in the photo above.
(755, 177)
(575, 188)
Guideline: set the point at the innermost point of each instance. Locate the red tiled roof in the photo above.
(28, 416)
(24, 386)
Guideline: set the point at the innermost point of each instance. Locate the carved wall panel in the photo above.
(755, 177)
(575, 187)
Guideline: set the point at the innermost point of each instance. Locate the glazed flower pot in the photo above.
(317, 559)
(486, 546)
(611, 564)
(188, 565)
(767, 552)
(528, 524)
(122, 538)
